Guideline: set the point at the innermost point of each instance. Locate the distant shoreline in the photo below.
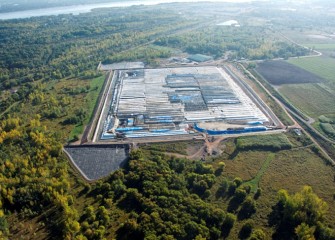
(84, 8)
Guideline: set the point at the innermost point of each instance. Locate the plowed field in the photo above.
(280, 72)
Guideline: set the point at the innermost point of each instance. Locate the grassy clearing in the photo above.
(243, 164)
(310, 98)
(298, 141)
(328, 119)
(164, 48)
(172, 147)
(324, 119)
(89, 104)
(328, 128)
(317, 126)
(321, 46)
(321, 66)
(286, 169)
(295, 168)
(254, 183)
(329, 148)
(264, 142)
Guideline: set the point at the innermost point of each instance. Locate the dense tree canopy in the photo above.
(166, 197)
(302, 213)
(33, 175)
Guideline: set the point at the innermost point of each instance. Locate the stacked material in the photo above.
(132, 98)
(153, 102)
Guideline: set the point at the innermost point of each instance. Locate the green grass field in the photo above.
(321, 66)
(89, 104)
(318, 126)
(254, 183)
(314, 99)
(328, 128)
(273, 142)
(173, 147)
(272, 171)
(293, 169)
(321, 46)
(310, 98)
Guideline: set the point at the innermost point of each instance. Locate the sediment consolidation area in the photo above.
(144, 103)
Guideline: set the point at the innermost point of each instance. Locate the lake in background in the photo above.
(77, 9)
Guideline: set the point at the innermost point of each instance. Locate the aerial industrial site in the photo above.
(143, 103)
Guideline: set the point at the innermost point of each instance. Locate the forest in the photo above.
(243, 42)
(48, 87)
(155, 196)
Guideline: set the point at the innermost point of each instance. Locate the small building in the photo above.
(297, 131)
(200, 58)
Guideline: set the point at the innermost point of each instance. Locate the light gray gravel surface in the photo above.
(98, 161)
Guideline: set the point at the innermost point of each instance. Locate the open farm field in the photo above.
(280, 72)
(310, 98)
(281, 114)
(321, 66)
